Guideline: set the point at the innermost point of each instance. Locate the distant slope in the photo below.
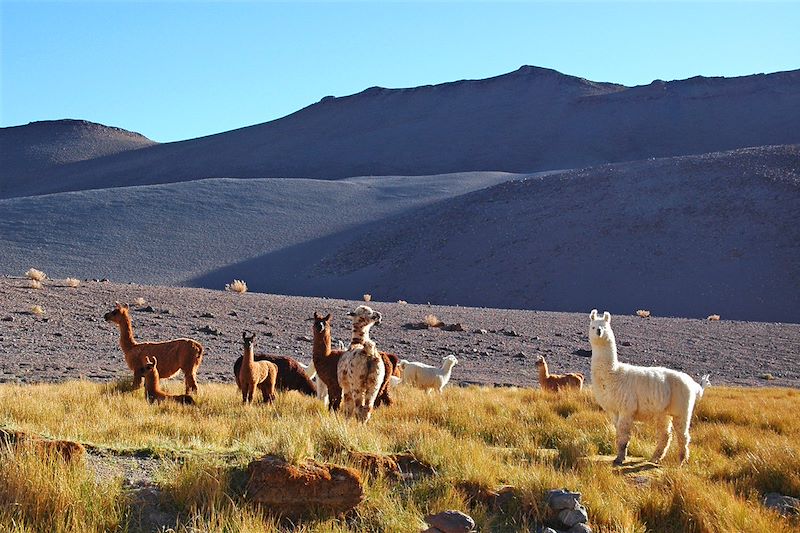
(172, 233)
(686, 236)
(38, 146)
(528, 120)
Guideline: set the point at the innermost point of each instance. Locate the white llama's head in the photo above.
(449, 361)
(364, 315)
(600, 328)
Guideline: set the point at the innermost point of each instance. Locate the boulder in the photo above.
(571, 517)
(377, 464)
(451, 522)
(579, 528)
(563, 499)
(66, 449)
(298, 490)
(785, 505)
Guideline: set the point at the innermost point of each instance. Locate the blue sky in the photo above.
(177, 70)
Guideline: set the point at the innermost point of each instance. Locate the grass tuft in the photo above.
(72, 282)
(236, 285)
(35, 275)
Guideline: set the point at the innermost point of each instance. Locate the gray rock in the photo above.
(571, 517)
(785, 505)
(548, 530)
(563, 499)
(451, 522)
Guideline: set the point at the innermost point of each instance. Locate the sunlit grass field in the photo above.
(745, 443)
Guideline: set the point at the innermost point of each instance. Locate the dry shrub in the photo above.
(367, 297)
(644, 313)
(402, 302)
(72, 282)
(35, 284)
(236, 285)
(713, 317)
(37, 310)
(36, 275)
(433, 321)
(139, 301)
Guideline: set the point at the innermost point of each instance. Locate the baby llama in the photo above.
(252, 374)
(556, 382)
(631, 393)
(361, 370)
(174, 355)
(428, 377)
(152, 385)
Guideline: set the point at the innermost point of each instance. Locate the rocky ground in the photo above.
(70, 340)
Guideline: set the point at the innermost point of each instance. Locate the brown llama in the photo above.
(174, 355)
(291, 374)
(361, 370)
(252, 373)
(556, 382)
(152, 385)
(326, 361)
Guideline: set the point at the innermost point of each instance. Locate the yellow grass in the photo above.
(139, 301)
(713, 317)
(35, 275)
(644, 313)
(745, 443)
(433, 321)
(35, 284)
(37, 310)
(236, 285)
(367, 297)
(72, 282)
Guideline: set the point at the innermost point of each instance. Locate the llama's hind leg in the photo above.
(624, 425)
(682, 434)
(664, 431)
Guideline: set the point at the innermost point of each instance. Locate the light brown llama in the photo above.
(252, 373)
(174, 355)
(152, 385)
(361, 369)
(556, 382)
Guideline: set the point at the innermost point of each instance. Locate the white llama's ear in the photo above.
(593, 314)
(606, 317)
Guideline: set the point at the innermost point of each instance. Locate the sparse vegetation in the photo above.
(367, 297)
(36, 275)
(476, 438)
(72, 282)
(139, 302)
(433, 321)
(236, 285)
(37, 310)
(644, 313)
(713, 317)
(35, 284)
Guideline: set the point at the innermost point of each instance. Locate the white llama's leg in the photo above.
(682, 434)
(664, 431)
(624, 426)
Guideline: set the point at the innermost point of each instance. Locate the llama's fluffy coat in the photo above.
(361, 371)
(428, 377)
(630, 392)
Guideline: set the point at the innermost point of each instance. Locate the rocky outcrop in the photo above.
(297, 490)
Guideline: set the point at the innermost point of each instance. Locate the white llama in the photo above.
(632, 392)
(361, 370)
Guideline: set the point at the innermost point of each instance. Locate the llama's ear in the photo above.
(327, 318)
(155, 361)
(317, 316)
(593, 314)
(606, 317)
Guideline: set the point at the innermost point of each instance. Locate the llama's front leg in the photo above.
(664, 430)
(348, 403)
(334, 398)
(190, 380)
(682, 434)
(624, 424)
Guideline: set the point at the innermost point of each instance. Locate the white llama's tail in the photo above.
(704, 382)
(341, 345)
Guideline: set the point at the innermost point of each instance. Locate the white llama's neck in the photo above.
(361, 334)
(604, 353)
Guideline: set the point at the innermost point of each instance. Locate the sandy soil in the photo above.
(71, 340)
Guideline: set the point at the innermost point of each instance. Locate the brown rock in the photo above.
(377, 464)
(296, 490)
(412, 467)
(68, 450)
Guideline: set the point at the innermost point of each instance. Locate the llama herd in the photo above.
(361, 377)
